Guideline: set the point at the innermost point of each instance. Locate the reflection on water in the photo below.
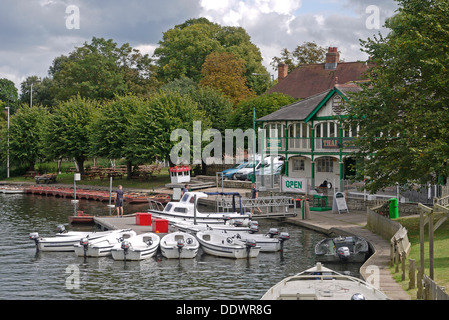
(27, 274)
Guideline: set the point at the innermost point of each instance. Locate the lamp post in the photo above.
(7, 158)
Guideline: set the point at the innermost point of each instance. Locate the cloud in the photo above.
(37, 33)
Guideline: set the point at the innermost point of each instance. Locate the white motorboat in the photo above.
(342, 249)
(180, 245)
(139, 247)
(219, 244)
(189, 227)
(186, 210)
(102, 246)
(272, 241)
(64, 241)
(320, 283)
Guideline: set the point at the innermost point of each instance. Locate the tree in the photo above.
(159, 116)
(41, 91)
(110, 131)
(68, 130)
(225, 72)
(184, 48)
(8, 95)
(307, 53)
(403, 112)
(242, 118)
(26, 136)
(100, 70)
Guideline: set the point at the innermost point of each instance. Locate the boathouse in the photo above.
(310, 133)
(311, 136)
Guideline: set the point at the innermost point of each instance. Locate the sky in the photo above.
(35, 32)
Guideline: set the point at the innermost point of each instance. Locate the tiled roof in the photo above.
(309, 80)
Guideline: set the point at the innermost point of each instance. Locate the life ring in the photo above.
(329, 185)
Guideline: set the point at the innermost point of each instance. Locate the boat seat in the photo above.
(292, 294)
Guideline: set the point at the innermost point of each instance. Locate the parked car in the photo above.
(229, 173)
(277, 169)
(242, 174)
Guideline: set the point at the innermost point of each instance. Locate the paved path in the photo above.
(354, 223)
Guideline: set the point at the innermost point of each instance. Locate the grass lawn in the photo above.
(441, 252)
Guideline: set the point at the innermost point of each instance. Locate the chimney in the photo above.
(282, 71)
(332, 58)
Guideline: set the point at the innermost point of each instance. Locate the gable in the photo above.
(329, 107)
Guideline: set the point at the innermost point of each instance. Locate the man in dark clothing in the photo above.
(254, 196)
(119, 201)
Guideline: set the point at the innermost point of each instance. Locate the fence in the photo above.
(399, 251)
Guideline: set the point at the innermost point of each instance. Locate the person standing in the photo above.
(254, 194)
(119, 201)
(186, 189)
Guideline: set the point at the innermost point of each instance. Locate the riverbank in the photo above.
(325, 222)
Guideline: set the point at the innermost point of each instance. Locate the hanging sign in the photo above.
(294, 185)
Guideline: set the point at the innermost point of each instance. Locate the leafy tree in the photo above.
(26, 136)
(8, 95)
(225, 72)
(154, 122)
(110, 131)
(41, 91)
(403, 112)
(242, 118)
(184, 48)
(307, 53)
(68, 130)
(100, 70)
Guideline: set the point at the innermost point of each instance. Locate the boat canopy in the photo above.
(233, 194)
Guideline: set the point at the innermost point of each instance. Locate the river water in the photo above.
(30, 275)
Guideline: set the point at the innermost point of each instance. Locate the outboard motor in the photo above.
(250, 243)
(125, 246)
(238, 223)
(85, 243)
(35, 236)
(180, 244)
(61, 228)
(253, 228)
(273, 232)
(284, 236)
(343, 253)
(226, 218)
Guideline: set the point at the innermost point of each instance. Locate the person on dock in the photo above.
(254, 194)
(186, 189)
(119, 201)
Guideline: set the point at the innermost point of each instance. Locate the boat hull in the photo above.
(226, 247)
(103, 246)
(139, 248)
(171, 250)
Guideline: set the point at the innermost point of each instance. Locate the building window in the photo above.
(298, 165)
(325, 164)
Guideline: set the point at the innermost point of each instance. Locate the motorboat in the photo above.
(272, 241)
(139, 247)
(342, 249)
(186, 210)
(222, 245)
(64, 241)
(236, 226)
(102, 246)
(180, 245)
(321, 283)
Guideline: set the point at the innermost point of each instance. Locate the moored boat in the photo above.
(272, 241)
(64, 241)
(342, 249)
(186, 210)
(102, 246)
(139, 247)
(221, 245)
(321, 283)
(179, 245)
